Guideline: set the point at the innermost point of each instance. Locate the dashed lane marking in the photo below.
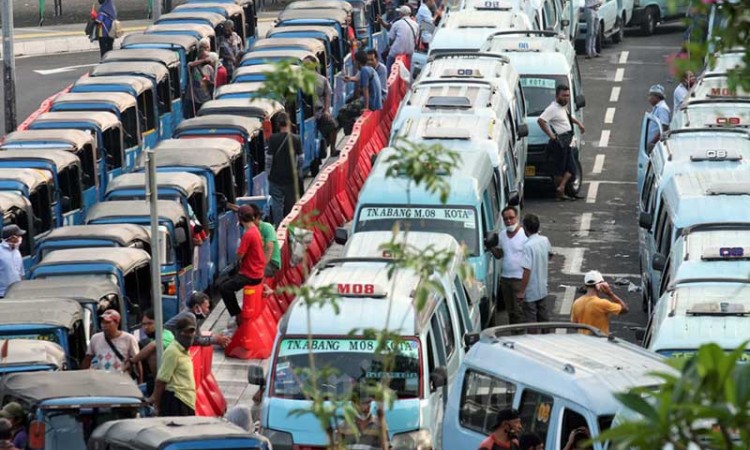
(572, 258)
(598, 164)
(604, 139)
(615, 95)
(585, 227)
(624, 57)
(593, 190)
(609, 116)
(619, 74)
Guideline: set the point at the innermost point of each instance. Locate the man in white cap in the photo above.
(660, 110)
(402, 37)
(591, 309)
(11, 261)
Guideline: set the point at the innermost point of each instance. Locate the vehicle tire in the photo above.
(574, 185)
(648, 24)
(600, 39)
(620, 34)
(580, 46)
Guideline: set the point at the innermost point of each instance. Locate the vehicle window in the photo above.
(440, 344)
(663, 230)
(448, 333)
(197, 203)
(666, 277)
(138, 294)
(174, 76)
(571, 421)
(431, 353)
(40, 204)
(482, 397)
(88, 165)
(70, 187)
(495, 200)
(659, 226)
(225, 185)
(147, 111)
(183, 252)
(257, 154)
(535, 411)
(510, 126)
(240, 181)
(130, 127)
(666, 238)
(78, 344)
(112, 147)
(549, 12)
(512, 162)
(165, 97)
(648, 185)
(520, 103)
(462, 306)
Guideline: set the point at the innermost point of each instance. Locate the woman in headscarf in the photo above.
(105, 20)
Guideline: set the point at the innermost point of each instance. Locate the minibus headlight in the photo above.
(279, 439)
(413, 440)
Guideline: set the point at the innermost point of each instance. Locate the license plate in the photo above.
(530, 171)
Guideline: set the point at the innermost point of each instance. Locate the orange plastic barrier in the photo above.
(254, 337)
(209, 398)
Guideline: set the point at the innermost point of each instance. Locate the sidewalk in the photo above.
(48, 40)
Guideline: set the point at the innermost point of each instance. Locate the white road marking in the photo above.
(573, 258)
(619, 74)
(624, 57)
(63, 69)
(585, 227)
(608, 182)
(604, 139)
(615, 95)
(593, 189)
(609, 116)
(598, 164)
(567, 303)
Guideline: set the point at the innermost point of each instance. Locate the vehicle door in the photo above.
(436, 396)
(489, 226)
(536, 409)
(608, 15)
(570, 418)
(644, 147)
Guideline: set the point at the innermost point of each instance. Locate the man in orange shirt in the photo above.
(591, 309)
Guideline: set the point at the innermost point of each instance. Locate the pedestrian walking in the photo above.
(284, 165)
(660, 110)
(111, 348)
(682, 89)
(17, 416)
(230, 48)
(535, 262)
(174, 391)
(368, 83)
(251, 260)
(322, 101)
(592, 27)
(6, 435)
(105, 21)
(505, 432)
(512, 239)
(380, 69)
(402, 37)
(557, 123)
(11, 260)
(591, 309)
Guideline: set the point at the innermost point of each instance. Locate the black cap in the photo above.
(12, 230)
(505, 415)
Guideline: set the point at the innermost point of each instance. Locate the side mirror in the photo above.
(65, 203)
(514, 199)
(180, 236)
(438, 378)
(341, 236)
(565, 22)
(580, 101)
(645, 220)
(523, 130)
(37, 431)
(658, 261)
(255, 376)
(491, 240)
(470, 339)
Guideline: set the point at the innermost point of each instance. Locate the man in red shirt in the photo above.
(251, 261)
(505, 434)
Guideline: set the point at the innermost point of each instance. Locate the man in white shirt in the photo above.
(682, 89)
(535, 262)
(402, 37)
(660, 110)
(592, 27)
(512, 240)
(557, 123)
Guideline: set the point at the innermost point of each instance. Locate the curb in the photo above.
(40, 47)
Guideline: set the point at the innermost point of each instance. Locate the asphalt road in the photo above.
(600, 232)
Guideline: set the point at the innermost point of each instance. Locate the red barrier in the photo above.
(209, 398)
(254, 337)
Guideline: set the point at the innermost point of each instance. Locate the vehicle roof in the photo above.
(171, 210)
(151, 69)
(715, 86)
(310, 44)
(338, 15)
(708, 196)
(164, 56)
(181, 28)
(186, 182)
(122, 233)
(247, 125)
(530, 41)
(485, 66)
(705, 113)
(693, 145)
(229, 147)
(529, 64)
(493, 19)
(367, 243)
(454, 96)
(154, 432)
(177, 40)
(33, 388)
(584, 369)
(330, 32)
(241, 87)
(77, 138)
(137, 83)
(261, 69)
(683, 317)
(261, 108)
(268, 56)
(724, 62)
(102, 119)
(697, 253)
(27, 352)
(31, 178)
(83, 289)
(10, 200)
(360, 312)
(467, 181)
(215, 18)
(124, 258)
(120, 99)
(58, 312)
(230, 8)
(464, 39)
(192, 157)
(60, 158)
(320, 4)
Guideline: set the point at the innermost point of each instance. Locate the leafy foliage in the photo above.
(287, 79)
